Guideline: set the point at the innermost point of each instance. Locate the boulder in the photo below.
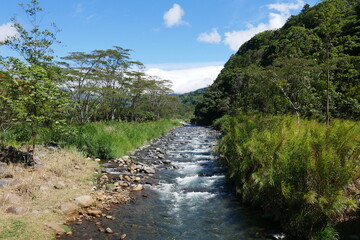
(149, 170)
(68, 208)
(17, 210)
(12, 198)
(84, 201)
(166, 161)
(137, 188)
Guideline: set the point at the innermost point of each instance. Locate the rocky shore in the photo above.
(118, 182)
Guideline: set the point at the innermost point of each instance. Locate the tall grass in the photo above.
(300, 170)
(112, 139)
(104, 140)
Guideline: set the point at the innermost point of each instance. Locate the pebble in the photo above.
(108, 230)
(123, 237)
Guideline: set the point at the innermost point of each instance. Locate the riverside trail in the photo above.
(188, 197)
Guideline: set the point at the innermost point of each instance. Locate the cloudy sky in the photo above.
(186, 41)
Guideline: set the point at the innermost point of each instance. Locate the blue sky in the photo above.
(186, 41)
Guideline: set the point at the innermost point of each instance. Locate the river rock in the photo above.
(84, 201)
(277, 236)
(123, 237)
(94, 212)
(149, 170)
(57, 229)
(108, 230)
(17, 210)
(68, 208)
(137, 188)
(166, 161)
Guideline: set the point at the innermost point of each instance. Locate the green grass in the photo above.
(105, 140)
(300, 170)
(16, 228)
(108, 140)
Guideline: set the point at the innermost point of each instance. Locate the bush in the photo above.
(300, 170)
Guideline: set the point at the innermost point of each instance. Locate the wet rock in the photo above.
(137, 188)
(109, 230)
(101, 229)
(166, 161)
(68, 208)
(123, 237)
(84, 201)
(94, 212)
(17, 210)
(149, 170)
(277, 236)
(57, 229)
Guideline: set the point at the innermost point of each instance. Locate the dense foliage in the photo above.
(189, 101)
(303, 172)
(308, 67)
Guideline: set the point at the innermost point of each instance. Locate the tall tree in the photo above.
(34, 98)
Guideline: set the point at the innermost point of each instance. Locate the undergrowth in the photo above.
(103, 140)
(300, 170)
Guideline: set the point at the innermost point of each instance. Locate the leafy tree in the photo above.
(34, 45)
(31, 94)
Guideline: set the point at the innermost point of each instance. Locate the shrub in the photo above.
(300, 170)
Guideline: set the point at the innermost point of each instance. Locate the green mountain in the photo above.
(192, 98)
(312, 63)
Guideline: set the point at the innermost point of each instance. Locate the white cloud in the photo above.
(173, 17)
(286, 7)
(7, 30)
(212, 37)
(276, 20)
(188, 79)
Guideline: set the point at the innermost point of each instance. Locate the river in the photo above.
(188, 198)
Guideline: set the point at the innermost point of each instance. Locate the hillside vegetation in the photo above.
(311, 61)
(272, 100)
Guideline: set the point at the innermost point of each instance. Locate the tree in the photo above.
(34, 45)
(331, 22)
(31, 94)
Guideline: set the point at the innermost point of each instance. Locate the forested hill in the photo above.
(313, 59)
(192, 98)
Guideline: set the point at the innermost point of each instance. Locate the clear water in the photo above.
(191, 201)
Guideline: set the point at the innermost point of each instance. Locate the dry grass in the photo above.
(35, 189)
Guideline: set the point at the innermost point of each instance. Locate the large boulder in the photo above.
(84, 201)
(68, 208)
